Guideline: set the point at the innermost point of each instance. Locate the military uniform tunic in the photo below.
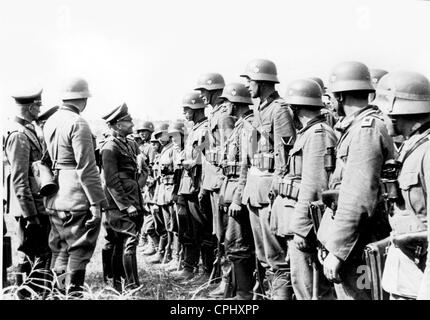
(120, 183)
(22, 148)
(359, 219)
(401, 275)
(71, 146)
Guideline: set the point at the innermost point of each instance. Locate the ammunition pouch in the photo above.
(46, 180)
(264, 161)
(168, 179)
(212, 157)
(231, 169)
(290, 189)
(167, 170)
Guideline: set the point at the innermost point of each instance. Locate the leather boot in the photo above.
(183, 275)
(167, 256)
(107, 264)
(152, 246)
(131, 274)
(222, 288)
(77, 279)
(23, 271)
(282, 288)
(243, 274)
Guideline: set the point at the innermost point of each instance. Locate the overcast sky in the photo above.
(150, 53)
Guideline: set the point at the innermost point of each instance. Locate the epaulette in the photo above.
(319, 129)
(367, 122)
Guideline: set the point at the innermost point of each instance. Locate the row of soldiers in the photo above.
(284, 197)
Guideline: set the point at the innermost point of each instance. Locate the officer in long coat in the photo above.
(22, 149)
(124, 211)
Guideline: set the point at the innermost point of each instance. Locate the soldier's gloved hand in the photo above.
(332, 266)
(234, 210)
(96, 217)
(32, 221)
(301, 243)
(132, 211)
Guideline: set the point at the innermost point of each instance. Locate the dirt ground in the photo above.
(156, 283)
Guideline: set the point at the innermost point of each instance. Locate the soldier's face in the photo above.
(189, 114)
(205, 95)
(125, 127)
(228, 108)
(176, 139)
(34, 110)
(252, 87)
(145, 135)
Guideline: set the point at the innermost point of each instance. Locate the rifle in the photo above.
(258, 288)
(316, 211)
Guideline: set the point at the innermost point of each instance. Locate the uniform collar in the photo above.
(318, 119)
(245, 116)
(275, 95)
(24, 122)
(70, 107)
(216, 107)
(344, 124)
(198, 124)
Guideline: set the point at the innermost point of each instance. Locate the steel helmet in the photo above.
(320, 82)
(407, 93)
(381, 98)
(261, 70)
(304, 92)
(210, 81)
(76, 88)
(177, 126)
(236, 93)
(350, 76)
(193, 100)
(163, 127)
(376, 75)
(147, 125)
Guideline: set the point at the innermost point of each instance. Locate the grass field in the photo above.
(156, 284)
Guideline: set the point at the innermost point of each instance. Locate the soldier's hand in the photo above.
(96, 217)
(32, 221)
(234, 210)
(332, 266)
(186, 164)
(132, 211)
(301, 243)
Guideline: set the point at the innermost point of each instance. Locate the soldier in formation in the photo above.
(280, 198)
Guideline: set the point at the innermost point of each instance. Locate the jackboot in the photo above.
(23, 271)
(243, 274)
(131, 274)
(167, 256)
(152, 245)
(222, 287)
(107, 264)
(76, 288)
(184, 275)
(282, 288)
